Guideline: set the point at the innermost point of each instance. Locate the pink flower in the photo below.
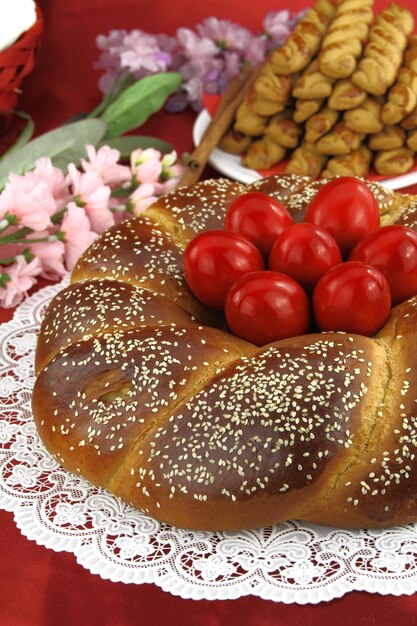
(32, 203)
(171, 172)
(77, 234)
(51, 255)
(141, 198)
(22, 278)
(104, 162)
(53, 177)
(146, 165)
(93, 196)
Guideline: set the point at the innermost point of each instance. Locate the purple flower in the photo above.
(141, 52)
(195, 47)
(207, 57)
(276, 25)
(256, 51)
(225, 34)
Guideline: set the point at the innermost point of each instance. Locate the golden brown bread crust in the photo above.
(203, 430)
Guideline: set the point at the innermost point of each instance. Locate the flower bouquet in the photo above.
(47, 219)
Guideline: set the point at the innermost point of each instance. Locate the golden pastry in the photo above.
(397, 14)
(382, 56)
(402, 97)
(306, 161)
(283, 130)
(342, 44)
(412, 141)
(388, 138)
(312, 83)
(320, 124)
(357, 163)
(410, 121)
(346, 95)
(248, 122)
(305, 109)
(263, 154)
(304, 42)
(394, 162)
(340, 140)
(262, 106)
(272, 87)
(234, 142)
(365, 118)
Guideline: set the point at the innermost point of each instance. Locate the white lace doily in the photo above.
(291, 562)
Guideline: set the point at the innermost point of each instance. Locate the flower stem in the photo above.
(8, 261)
(17, 236)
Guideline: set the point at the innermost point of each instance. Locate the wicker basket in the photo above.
(16, 62)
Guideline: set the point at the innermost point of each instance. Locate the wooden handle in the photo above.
(219, 124)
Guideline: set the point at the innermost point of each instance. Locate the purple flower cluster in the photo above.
(207, 57)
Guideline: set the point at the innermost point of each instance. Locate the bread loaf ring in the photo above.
(201, 429)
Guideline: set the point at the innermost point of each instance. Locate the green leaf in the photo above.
(126, 145)
(64, 145)
(120, 84)
(24, 136)
(139, 101)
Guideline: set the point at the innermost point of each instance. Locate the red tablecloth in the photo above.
(39, 586)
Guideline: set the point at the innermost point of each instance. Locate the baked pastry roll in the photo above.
(340, 140)
(306, 108)
(304, 42)
(263, 154)
(283, 130)
(402, 97)
(306, 161)
(410, 57)
(320, 124)
(410, 120)
(394, 162)
(388, 138)
(267, 96)
(342, 44)
(365, 118)
(412, 141)
(393, 15)
(269, 86)
(382, 56)
(356, 163)
(248, 122)
(346, 95)
(262, 106)
(234, 142)
(313, 83)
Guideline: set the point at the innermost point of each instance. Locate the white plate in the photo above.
(230, 165)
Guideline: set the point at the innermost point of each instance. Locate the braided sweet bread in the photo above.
(141, 390)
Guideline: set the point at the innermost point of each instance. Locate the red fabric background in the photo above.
(39, 586)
